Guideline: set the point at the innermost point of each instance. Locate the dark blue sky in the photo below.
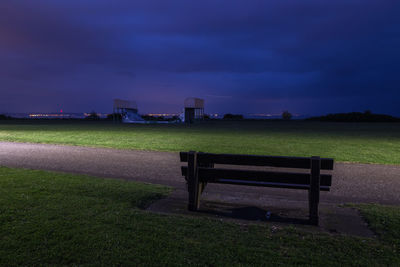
(308, 57)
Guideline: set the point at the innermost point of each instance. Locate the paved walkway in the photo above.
(351, 182)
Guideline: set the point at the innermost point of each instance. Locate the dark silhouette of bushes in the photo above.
(5, 117)
(233, 117)
(367, 116)
(159, 118)
(153, 118)
(110, 117)
(286, 115)
(92, 116)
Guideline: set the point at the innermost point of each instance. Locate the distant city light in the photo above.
(57, 115)
(163, 114)
(44, 115)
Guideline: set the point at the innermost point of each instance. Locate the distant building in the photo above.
(194, 109)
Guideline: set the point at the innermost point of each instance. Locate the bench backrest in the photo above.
(252, 160)
(207, 173)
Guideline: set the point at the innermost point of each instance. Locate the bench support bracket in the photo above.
(313, 193)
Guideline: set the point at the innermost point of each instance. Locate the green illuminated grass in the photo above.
(55, 219)
(346, 142)
(384, 220)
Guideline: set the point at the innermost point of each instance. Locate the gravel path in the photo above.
(351, 182)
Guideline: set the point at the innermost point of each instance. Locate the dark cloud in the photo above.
(307, 56)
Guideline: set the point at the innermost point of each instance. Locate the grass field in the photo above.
(345, 142)
(62, 219)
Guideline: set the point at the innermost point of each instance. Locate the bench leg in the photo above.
(313, 207)
(203, 184)
(195, 187)
(313, 193)
(194, 197)
(193, 182)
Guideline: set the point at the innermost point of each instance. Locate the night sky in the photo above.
(308, 57)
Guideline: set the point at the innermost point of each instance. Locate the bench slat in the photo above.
(212, 175)
(266, 184)
(252, 160)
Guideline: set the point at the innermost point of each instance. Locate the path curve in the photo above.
(351, 182)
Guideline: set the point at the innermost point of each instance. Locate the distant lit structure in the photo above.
(128, 111)
(194, 109)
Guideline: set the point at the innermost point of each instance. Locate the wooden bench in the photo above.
(200, 171)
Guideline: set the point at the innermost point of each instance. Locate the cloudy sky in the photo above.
(308, 57)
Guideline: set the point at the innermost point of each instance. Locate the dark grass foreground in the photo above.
(62, 219)
(346, 142)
